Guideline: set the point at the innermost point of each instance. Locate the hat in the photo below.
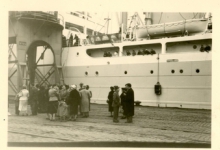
(73, 86)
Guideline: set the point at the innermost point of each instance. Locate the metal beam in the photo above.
(12, 74)
(45, 65)
(48, 77)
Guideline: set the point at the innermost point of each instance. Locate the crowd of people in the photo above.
(125, 100)
(68, 102)
(131, 53)
(63, 101)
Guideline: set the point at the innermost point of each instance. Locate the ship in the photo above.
(171, 67)
(177, 60)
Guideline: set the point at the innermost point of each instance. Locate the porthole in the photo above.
(181, 71)
(172, 71)
(96, 72)
(125, 72)
(197, 70)
(151, 71)
(77, 53)
(86, 73)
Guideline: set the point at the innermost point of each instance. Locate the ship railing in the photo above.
(49, 15)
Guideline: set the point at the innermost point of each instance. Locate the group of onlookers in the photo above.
(109, 54)
(67, 101)
(140, 52)
(63, 101)
(125, 100)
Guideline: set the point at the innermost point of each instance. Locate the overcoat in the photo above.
(129, 103)
(73, 101)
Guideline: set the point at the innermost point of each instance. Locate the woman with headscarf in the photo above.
(85, 96)
(53, 102)
(23, 100)
(73, 101)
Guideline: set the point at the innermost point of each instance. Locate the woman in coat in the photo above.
(23, 100)
(85, 96)
(53, 102)
(73, 102)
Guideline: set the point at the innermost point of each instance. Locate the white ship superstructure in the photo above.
(179, 57)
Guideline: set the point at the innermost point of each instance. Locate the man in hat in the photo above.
(129, 103)
(80, 88)
(73, 101)
(85, 96)
(116, 104)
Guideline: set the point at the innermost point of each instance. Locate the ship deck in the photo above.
(186, 127)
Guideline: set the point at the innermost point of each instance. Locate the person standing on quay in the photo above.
(85, 96)
(129, 103)
(73, 102)
(87, 88)
(53, 102)
(23, 100)
(123, 96)
(116, 104)
(110, 99)
(34, 99)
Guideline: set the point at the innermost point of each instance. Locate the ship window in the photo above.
(125, 72)
(181, 71)
(151, 71)
(173, 71)
(197, 70)
(96, 72)
(86, 73)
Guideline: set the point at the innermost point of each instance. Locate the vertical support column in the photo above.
(163, 50)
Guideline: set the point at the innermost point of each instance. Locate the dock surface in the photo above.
(150, 124)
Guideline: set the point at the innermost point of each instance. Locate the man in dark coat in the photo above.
(129, 103)
(74, 100)
(110, 100)
(34, 99)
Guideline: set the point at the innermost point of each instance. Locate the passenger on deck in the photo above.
(142, 51)
(115, 54)
(105, 54)
(139, 52)
(133, 53)
(109, 54)
(71, 40)
(128, 53)
(146, 52)
(76, 38)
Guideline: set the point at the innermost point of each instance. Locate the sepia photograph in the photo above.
(129, 79)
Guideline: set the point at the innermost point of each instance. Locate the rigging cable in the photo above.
(160, 17)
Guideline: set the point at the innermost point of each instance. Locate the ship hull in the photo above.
(187, 90)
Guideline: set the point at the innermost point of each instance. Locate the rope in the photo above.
(195, 15)
(182, 16)
(160, 17)
(103, 26)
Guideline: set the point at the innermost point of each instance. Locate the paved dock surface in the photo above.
(150, 124)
